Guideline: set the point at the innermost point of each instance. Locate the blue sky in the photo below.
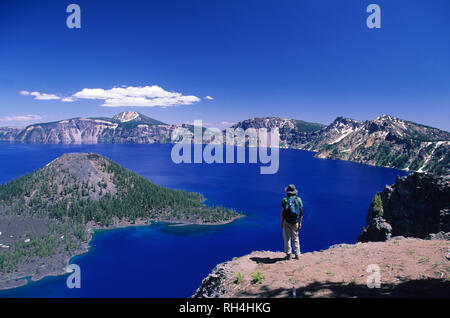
(312, 60)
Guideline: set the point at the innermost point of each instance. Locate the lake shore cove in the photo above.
(47, 217)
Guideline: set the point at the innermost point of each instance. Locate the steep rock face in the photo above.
(339, 129)
(72, 131)
(138, 133)
(212, 285)
(293, 133)
(415, 206)
(9, 133)
(126, 127)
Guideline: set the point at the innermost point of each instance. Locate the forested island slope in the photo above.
(46, 217)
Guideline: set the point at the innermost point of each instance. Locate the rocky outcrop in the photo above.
(293, 133)
(415, 206)
(212, 285)
(408, 268)
(439, 236)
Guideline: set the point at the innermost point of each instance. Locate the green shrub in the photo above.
(377, 205)
(239, 277)
(257, 277)
(330, 273)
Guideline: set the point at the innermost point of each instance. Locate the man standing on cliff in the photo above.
(291, 220)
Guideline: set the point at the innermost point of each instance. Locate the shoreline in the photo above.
(22, 279)
(162, 143)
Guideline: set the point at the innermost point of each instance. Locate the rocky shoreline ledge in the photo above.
(408, 268)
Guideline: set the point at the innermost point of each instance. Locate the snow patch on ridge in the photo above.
(345, 133)
(427, 160)
(126, 116)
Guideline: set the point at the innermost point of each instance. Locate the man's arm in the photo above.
(301, 216)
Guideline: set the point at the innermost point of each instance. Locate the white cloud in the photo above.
(21, 118)
(40, 96)
(141, 96)
(44, 96)
(209, 97)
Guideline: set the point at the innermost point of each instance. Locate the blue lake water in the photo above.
(168, 261)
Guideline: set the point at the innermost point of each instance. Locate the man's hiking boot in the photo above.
(296, 256)
(288, 256)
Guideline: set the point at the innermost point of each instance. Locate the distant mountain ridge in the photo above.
(129, 127)
(385, 141)
(284, 124)
(126, 127)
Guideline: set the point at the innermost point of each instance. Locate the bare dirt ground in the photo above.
(408, 268)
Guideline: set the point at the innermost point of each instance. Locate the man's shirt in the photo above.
(284, 201)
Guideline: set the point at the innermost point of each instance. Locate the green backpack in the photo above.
(292, 209)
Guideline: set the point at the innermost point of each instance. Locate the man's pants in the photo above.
(291, 229)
